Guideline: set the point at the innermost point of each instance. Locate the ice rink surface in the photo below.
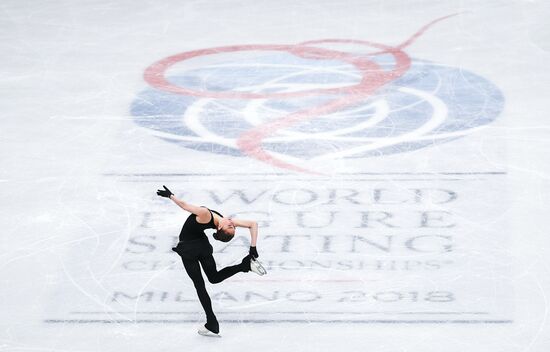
(394, 154)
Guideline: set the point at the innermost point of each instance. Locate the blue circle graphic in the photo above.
(430, 104)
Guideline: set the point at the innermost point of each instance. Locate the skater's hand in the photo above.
(164, 193)
(253, 252)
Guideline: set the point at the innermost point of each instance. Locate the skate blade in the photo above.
(257, 267)
(208, 333)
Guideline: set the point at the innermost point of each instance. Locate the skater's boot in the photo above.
(257, 267)
(249, 263)
(204, 331)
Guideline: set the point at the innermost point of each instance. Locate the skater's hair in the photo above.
(223, 236)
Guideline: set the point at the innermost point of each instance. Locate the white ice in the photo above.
(440, 248)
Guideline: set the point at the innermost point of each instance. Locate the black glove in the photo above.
(253, 252)
(164, 193)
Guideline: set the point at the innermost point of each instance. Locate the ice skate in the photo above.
(257, 267)
(205, 332)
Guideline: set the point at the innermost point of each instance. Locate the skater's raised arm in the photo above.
(252, 226)
(200, 212)
(203, 215)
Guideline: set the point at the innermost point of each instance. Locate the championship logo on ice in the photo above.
(293, 106)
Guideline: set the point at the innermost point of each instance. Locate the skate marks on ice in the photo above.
(299, 107)
(395, 248)
(401, 248)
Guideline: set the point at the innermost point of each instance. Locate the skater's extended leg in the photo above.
(193, 270)
(214, 276)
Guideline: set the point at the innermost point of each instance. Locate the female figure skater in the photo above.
(194, 248)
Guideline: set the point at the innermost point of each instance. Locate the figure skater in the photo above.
(194, 248)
